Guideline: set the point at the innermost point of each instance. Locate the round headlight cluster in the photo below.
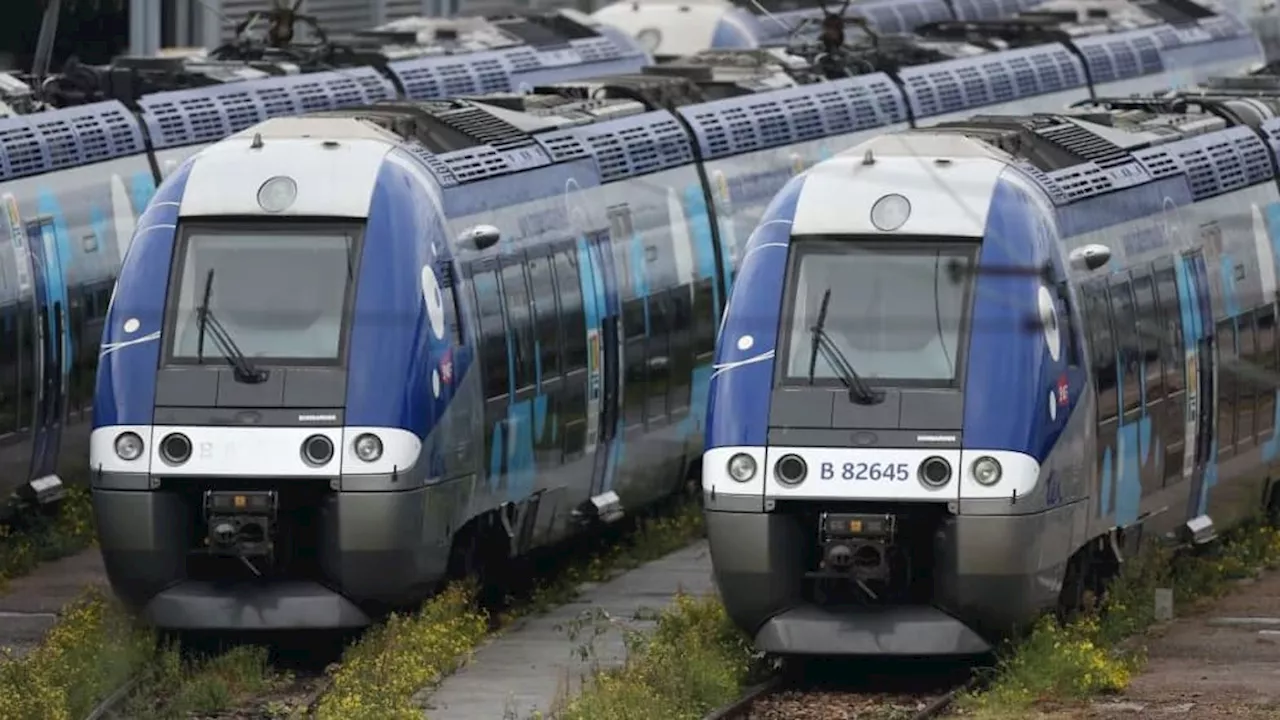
(317, 450)
(987, 470)
(368, 447)
(128, 446)
(741, 467)
(791, 470)
(935, 472)
(175, 448)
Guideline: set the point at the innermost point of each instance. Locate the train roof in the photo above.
(426, 57)
(1212, 143)
(738, 101)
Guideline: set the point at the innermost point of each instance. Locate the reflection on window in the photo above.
(894, 314)
(278, 294)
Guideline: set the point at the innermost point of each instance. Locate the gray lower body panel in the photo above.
(376, 550)
(283, 605)
(986, 580)
(915, 631)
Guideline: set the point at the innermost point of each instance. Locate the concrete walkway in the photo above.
(29, 605)
(536, 664)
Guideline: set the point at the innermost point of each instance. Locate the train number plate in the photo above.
(865, 471)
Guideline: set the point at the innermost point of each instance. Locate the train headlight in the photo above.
(890, 212)
(277, 194)
(128, 446)
(791, 469)
(175, 448)
(317, 450)
(935, 472)
(742, 467)
(368, 447)
(987, 471)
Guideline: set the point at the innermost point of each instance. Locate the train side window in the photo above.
(1265, 320)
(573, 317)
(1102, 349)
(1246, 386)
(635, 365)
(493, 343)
(1150, 339)
(80, 383)
(1128, 353)
(515, 293)
(633, 314)
(1226, 389)
(659, 356)
(680, 320)
(548, 315)
(9, 370)
(1171, 326)
(704, 318)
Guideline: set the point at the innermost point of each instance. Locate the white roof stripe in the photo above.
(333, 181)
(951, 198)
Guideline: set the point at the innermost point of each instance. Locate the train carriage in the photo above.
(978, 363)
(534, 298)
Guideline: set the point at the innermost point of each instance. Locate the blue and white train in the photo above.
(74, 180)
(348, 351)
(971, 367)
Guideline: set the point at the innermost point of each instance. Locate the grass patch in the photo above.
(92, 649)
(694, 661)
(1086, 657)
(382, 672)
(33, 537)
(202, 687)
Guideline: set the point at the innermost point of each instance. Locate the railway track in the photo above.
(853, 690)
(304, 657)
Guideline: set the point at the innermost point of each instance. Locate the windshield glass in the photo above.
(280, 293)
(896, 313)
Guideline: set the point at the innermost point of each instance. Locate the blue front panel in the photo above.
(738, 396)
(126, 388)
(1010, 373)
(391, 334)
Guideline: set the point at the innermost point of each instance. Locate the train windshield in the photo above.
(895, 312)
(280, 294)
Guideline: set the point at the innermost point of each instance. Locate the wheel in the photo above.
(1084, 585)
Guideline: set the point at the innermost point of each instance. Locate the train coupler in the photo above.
(241, 524)
(855, 546)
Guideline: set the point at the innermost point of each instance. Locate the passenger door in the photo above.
(600, 298)
(1173, 425)
(1198, 346)
(50, 302)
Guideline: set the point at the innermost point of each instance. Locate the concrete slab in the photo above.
(29, 605)
(536, 664)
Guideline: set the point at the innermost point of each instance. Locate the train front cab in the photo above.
(894, 506)
(253, 467)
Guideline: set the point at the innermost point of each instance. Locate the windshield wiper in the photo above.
(859, 391)
(244, 370)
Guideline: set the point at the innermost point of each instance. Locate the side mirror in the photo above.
(1090, 257)
(481, 237)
